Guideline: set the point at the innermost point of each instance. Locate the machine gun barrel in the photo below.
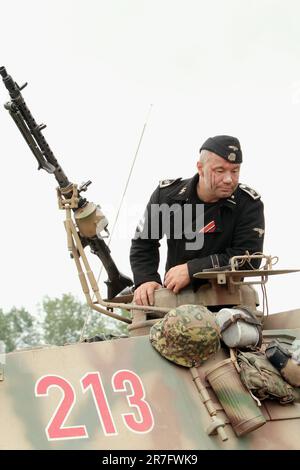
(32, 133)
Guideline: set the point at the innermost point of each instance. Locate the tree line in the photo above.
(59, 321)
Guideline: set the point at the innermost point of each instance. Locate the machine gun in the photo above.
(90, 220)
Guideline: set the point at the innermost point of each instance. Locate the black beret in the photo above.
(225, 146)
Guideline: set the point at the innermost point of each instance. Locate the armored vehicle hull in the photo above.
(122, 394)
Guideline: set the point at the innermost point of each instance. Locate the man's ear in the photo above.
(200, 168)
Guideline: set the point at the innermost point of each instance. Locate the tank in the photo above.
(121, 393)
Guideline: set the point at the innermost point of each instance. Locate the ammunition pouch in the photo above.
(262, 379)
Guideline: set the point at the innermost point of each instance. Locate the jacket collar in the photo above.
(187, 188)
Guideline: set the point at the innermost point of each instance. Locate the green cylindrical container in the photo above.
(239, 406)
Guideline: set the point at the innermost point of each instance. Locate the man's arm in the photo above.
(248, 236)
(144, 252)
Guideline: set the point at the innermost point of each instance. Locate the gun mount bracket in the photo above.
(64, 199)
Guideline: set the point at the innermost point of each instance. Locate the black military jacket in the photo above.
(231, 227)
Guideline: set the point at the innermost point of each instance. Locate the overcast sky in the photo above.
(94, 68)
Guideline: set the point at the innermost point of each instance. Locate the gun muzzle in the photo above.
(3, 72)
(11, 86)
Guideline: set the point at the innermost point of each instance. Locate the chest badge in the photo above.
(209, 228)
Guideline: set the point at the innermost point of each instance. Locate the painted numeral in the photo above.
(140, 420)
(94, 381)
(136, 400)
(56, 429)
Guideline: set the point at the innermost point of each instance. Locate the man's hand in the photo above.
(144, 294)
(177, 278)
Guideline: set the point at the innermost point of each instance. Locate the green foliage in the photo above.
(65, 317)
(18, 329)
(61, 321)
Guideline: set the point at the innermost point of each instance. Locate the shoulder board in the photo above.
(254, 194)
(165, 183)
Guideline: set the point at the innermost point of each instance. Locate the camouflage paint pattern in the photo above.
(145, 401)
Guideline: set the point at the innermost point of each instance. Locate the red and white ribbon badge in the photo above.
(210, 227)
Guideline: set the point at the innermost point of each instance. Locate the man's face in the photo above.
(220, 178)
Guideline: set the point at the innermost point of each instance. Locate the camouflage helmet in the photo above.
(187, 335)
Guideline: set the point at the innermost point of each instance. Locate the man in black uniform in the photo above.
(233, 222)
